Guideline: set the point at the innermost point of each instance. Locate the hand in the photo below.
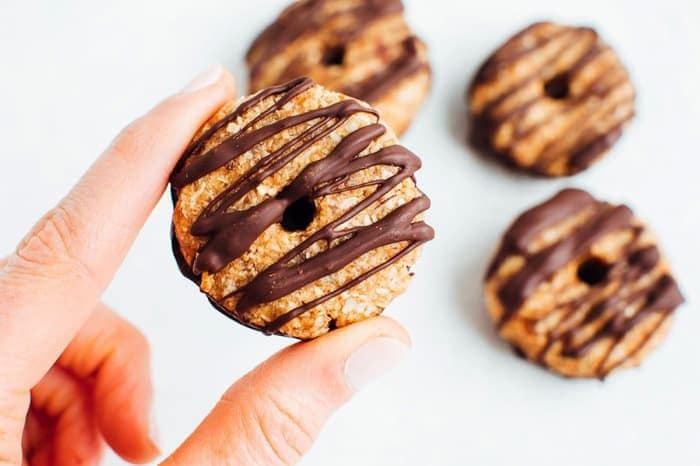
(74, 375)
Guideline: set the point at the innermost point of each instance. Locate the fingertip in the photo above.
(124, 408)
(368, 350)
(346, 359)
(128, 428)
(215, 75)
(117, 355)
(228, 83)
(388, 327)
(274, 413)
(354, 334)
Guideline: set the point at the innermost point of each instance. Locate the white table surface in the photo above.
(74, 72)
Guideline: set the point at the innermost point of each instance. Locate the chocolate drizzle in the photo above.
(584, 142)
(543, 264)
(229, 233)
(377, 85)
(537, 219)
(308, 17)
(606, 304)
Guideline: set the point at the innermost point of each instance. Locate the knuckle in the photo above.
(121, 345)
(13, 407)
(295, 431)
(53, 239)
(283, 432)
(55, 248)
(138, 341)
(114, 331)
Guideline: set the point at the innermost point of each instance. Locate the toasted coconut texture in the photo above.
(579, 286)
(296, 211)
(362, 48)
(551, 101)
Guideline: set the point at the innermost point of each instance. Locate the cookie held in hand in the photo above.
(296, 211)
(361, 48)
(551, 101)
(580, 286)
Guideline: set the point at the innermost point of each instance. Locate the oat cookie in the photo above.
(296, 211)
(362, 48)
(551, 101)
(579, 286)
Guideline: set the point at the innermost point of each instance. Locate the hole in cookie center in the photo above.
(334, 56)
(299, 215)
(593, 271)
(557, 87)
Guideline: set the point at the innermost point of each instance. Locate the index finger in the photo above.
(56, 275)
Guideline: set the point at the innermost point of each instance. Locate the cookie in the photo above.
(551, 101)
(296, 211)
(361, 48)
(580, 286)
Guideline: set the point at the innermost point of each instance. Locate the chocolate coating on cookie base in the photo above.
(551, 101)
(307, 17)
(660, 295)
(375, 86)
(230, 233)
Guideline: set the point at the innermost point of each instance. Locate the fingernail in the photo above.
(374, 358)
(204, 79)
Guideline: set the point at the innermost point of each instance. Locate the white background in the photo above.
(72, 73)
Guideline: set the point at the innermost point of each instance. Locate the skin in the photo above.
(75, 376)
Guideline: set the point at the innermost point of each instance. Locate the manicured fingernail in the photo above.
(204, 79)
(374, 358)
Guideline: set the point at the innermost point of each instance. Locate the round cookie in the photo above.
(551, 101)
(362, 48)
(579, 286)
(296, 211)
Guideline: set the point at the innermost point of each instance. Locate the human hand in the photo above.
(74, 375)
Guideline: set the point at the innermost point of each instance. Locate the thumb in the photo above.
(272, 415)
